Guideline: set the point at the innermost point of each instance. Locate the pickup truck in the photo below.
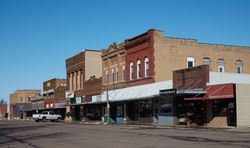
(47, 115)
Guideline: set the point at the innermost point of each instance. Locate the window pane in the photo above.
(190, 64)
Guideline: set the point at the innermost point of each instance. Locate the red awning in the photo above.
(222, 91)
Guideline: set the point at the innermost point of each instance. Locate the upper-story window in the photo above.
(190, 62)
(117, 73)
(220, 63)
(29, 98)
(239, 66)
(131, 71)
(138, 69)
(206, 61)
(146, 66)
(113, 75)
(123, 72)
(107, 75)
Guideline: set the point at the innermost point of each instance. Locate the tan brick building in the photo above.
(175, 53)
(81, 67)
(22, 96)
(113, 66)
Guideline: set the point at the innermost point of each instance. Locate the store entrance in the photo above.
(191, 110)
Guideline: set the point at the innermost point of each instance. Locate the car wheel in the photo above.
(59, 119)
(37, 120)
(44, 119)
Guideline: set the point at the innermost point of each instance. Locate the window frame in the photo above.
(107, 75)
(138, 69)
(131, 71)
(239, 66)
(190, 59)
(221, 65)
(146, 67)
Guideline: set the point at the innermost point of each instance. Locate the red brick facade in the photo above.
(3, 110)
(139, 48)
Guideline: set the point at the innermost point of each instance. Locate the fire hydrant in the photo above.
(188, 121)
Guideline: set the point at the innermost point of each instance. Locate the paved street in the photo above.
(26, 134)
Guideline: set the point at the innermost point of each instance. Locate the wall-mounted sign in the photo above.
(69, 94)
(191, 78)
(167, 92)
(78, 100)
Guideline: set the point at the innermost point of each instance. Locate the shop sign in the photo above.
(78, 100)
(69, 94)
(167, 92)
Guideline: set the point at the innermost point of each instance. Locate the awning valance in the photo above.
(222, 91)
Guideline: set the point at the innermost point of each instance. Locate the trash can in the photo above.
(105, 119)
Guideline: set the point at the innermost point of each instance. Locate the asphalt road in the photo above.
(29, 134)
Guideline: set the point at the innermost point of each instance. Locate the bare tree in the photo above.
(2, 101)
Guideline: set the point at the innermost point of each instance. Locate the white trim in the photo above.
(131, 71)
(222, 67)
(146, 67)
(138, 69)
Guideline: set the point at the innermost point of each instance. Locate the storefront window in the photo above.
(165, 110)
(119, 111)
(220, 108)
(145, 108)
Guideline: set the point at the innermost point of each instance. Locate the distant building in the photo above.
(54, 96)
(22, 96)
(3, 111)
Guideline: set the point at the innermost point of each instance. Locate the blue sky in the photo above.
(37, 36)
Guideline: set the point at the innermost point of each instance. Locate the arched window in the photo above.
(239, 66)
(220, 63)
(138, 64)
(123, 72)
(107, 75)
(206, 61)
(117, 73)
(190, 62)
(131, 71)
(146, 67)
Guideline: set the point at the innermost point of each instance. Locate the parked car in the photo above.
(47, 115)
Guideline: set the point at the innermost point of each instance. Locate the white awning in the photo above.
(137, 92)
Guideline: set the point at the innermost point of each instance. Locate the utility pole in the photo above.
(108, 105)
